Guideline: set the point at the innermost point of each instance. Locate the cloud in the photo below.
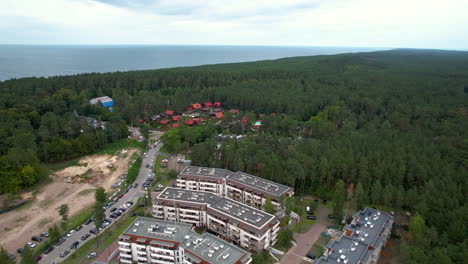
(365, 23)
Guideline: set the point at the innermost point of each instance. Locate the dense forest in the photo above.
(390, 125)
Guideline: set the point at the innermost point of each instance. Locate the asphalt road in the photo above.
(132, 195)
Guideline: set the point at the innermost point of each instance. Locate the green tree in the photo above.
(54, 232)
(359, 196)
(100, 195)
(285, 237)
(339, 198)
(27, 256)
(4, 258)
(376, 195)
(417, 226)
(99, 214)
(63, 211)
(268, 206)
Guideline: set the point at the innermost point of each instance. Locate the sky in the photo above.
(441, 24)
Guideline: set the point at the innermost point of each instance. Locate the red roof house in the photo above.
(175, 118)
(163, 122)
(189, 122)
(273, 114)
(208, 104)
(244, 120)
(169, 112)
(174, 125)
(219, 115)
(141, 121)
(234, 111)
(199, 120)
(195, 106)
(217, 104)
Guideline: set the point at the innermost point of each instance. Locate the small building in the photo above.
(169, 112)
(217, 104)
(175, 118)
(175, 125)
(219, 115)
(163, 122)
(194, 106)
(141, 121)
(155, 117)
(189, 122)
(208, 104)
(198, 120)
(105, 101)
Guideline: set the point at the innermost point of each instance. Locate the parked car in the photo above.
(48, 250)
(44, 234)
(93, 231)
(31, 244)
(85, 236)
(78, 227)
(88, 221)
(134, 214)
(36, 238)
(74, 245)
(71, 233)
(311, 256)
(11, 256)
(324, 201)
(147, 165)
(60, 241)
(135, 185)
(141, 205)
(20, 250)
(121, 195)
(129, 203)
(316, 200)
(38, 258)
(311, 217)
(91, 255)
(64, 253)
(331, 216)
(121, 210)
(107, 220)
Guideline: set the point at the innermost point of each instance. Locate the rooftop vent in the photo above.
(137, 223)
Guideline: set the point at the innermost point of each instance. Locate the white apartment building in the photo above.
(239, 186)
(233, 221)
(155, 241)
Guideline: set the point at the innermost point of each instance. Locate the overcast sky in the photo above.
(361, 23)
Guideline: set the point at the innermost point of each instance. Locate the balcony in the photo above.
(124, 255)
(123, 243)
(124, 260)
(161, 261)
(125, 249)
(162, 256)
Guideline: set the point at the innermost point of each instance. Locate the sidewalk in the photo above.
(303, 244)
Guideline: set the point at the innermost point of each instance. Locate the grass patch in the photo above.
(56, 166)
(7, 229)
(133, 171)
(304, 225)
(86, 192)
(121, 144)
(45, 203)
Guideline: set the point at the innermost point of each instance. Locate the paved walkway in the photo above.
(304, 243)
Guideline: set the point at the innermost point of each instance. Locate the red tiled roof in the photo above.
(169, 112)
(219, 115)
(175, 125)
(163, 122)
(208, 104)
(234, 111)
(199, 120)
(141, 121)
(244, 120)
(175, 118)
(189, 122)
(196, 106)
(217, 104)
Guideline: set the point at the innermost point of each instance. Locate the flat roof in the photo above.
(158, 229)
(368, 224)
(205, 171)
(198, 247)
(346, 250)
(231, 208)
(249, 180)
(214, 250)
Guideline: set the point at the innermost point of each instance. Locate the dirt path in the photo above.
(18, 226)
(304, 243)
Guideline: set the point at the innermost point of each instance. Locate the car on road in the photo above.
(121, 210)
(129, 203)
(48, 250)
(38, 258)
(78, 227)
(20, 250)
(74, 245)
(88, 221)
(121, 195)
(64, 253)
(60, 241)
(44, 234)
(135, 185)
(31, 244)
(71, 233)
(331, 216)
(91, 255)
(107, 220)
(93, 231)
(36, 238)
(311, 256)
(311, 217)
(85, 236)
(113, 209)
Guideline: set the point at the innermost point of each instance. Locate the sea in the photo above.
(17, 61)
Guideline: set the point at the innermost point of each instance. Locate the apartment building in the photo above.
(362, 239)
(239, 186)
(155, 241)
(231, 220)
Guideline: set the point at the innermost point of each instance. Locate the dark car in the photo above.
(141, 205)
(48, 250)
(85, 236)
(310, 212)
(93, 231)
(311, 217)
(88, 221)
(60, 241)
(311, 256)
(126, 191)
(121, 195)
(107, 220)
(45, 234)
(122, 209)
(135, 185)
(324, 201)
(113, 215)
(331, 216)
(147, 165)
(38, 258)
(11, 256)
(316, 200)
(74, 245)
(134, 214)
(64, 253)
(36, 238)
(113, 209)
(129, 203)
(78, 227)
(20, 250)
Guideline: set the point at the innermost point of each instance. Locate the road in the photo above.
(304, 243)
(132, 195)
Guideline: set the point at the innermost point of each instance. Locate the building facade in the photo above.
(362, 239)
(231, 220)
(149, 240)
(239, 186)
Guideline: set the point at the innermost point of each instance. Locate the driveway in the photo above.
(303, 244)
(132, 195)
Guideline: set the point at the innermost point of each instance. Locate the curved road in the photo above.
(132, 195)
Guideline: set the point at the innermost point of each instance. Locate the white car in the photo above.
(31, 244)
(91, 255)
(71, 233)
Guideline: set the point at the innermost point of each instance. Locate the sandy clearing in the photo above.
(18, 226)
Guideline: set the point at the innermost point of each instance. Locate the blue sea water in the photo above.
(18, 61)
